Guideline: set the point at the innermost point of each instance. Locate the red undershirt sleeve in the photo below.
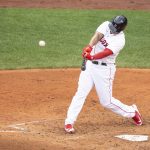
(103, 54)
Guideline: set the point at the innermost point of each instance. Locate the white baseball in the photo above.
(42, 43)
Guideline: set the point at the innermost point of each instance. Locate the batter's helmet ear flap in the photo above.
(118, 24)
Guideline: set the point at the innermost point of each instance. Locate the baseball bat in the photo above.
(83, 66)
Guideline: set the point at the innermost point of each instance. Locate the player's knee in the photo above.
(105, 103)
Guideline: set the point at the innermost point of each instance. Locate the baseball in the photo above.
(42, 43)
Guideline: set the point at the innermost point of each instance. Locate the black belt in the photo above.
(99, 63)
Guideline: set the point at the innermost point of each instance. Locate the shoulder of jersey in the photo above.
(106, 23)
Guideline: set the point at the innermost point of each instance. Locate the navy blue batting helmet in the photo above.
(118, 24)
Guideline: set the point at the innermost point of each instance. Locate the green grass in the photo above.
(66, 32)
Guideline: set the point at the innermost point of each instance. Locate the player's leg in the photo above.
(85, 85)
(103, 83)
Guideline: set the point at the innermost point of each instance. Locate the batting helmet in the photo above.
(118, 24)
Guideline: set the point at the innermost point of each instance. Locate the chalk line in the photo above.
(16, 127)
(21, 127)
(10, 131)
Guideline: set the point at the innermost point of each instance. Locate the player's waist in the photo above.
(101, 63)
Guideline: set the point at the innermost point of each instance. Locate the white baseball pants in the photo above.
(102, 78)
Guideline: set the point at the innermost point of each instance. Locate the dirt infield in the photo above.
(34, 103)
(33, 106)
(83, 4)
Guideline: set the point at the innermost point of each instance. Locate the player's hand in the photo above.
(88, 56)
(87, 49)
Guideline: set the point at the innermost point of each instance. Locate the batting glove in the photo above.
(88, 56)
(87, 49)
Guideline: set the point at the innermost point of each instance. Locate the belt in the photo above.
(102, 63)
(99, 63)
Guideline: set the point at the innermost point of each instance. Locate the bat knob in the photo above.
(83, 68)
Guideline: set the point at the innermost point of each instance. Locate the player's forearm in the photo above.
(94, 40)
(103, 54)
(99, 55)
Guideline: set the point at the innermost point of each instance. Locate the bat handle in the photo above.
(83, 66)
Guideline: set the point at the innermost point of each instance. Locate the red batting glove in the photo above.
(87, 49)
(88, 56)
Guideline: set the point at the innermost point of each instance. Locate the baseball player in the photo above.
(101, 53)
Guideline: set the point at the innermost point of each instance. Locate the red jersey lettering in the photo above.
(104, 42)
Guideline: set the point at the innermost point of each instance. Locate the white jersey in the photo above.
(114, 42)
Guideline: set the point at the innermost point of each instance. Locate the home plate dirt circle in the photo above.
(28, 127)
